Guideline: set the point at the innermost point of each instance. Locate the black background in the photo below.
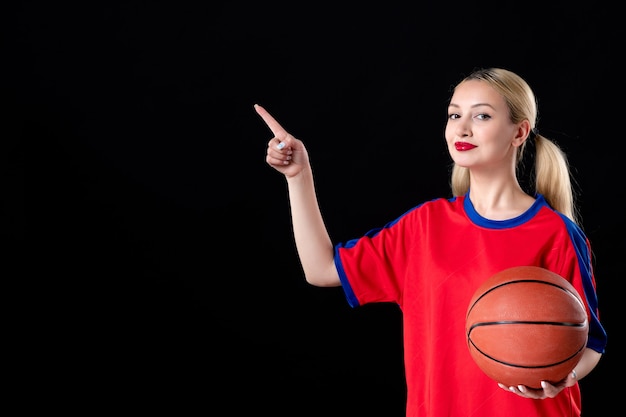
(164, 239)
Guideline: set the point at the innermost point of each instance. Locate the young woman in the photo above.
(430, 259)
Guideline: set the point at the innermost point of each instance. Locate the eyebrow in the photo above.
(473, 105)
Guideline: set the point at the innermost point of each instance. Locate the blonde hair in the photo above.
(551, 169)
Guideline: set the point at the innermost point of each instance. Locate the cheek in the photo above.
(449, 137)
(448, 133)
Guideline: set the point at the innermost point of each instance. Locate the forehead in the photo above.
(473, 92)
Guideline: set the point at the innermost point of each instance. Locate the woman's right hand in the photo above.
(285, 153)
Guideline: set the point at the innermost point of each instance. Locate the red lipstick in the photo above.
(463, 146)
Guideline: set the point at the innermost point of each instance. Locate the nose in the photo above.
(462, 129)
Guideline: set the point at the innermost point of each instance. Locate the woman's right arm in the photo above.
(289, 156)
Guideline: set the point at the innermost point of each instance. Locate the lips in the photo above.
(463, 146)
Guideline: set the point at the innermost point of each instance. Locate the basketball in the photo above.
(525, 325)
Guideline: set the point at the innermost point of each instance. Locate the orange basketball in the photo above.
(525, 325)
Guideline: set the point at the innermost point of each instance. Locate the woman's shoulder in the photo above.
(439, 205)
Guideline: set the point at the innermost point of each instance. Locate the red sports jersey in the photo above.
(429, 261)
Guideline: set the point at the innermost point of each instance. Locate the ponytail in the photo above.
(552, 177)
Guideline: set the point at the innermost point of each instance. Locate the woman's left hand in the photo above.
(547, 390)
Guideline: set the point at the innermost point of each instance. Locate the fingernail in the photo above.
(281, 145)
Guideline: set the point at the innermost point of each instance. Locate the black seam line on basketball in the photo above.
(522, 280)
(544, 323)
(527, 366)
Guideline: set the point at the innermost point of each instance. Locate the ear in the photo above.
(523, 130)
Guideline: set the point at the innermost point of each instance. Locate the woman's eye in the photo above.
(453, 116)
(483, 116)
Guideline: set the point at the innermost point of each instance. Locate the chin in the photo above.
(461, 163)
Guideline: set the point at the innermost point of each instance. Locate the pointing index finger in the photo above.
(274, 126)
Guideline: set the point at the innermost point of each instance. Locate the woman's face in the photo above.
(479, 131)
